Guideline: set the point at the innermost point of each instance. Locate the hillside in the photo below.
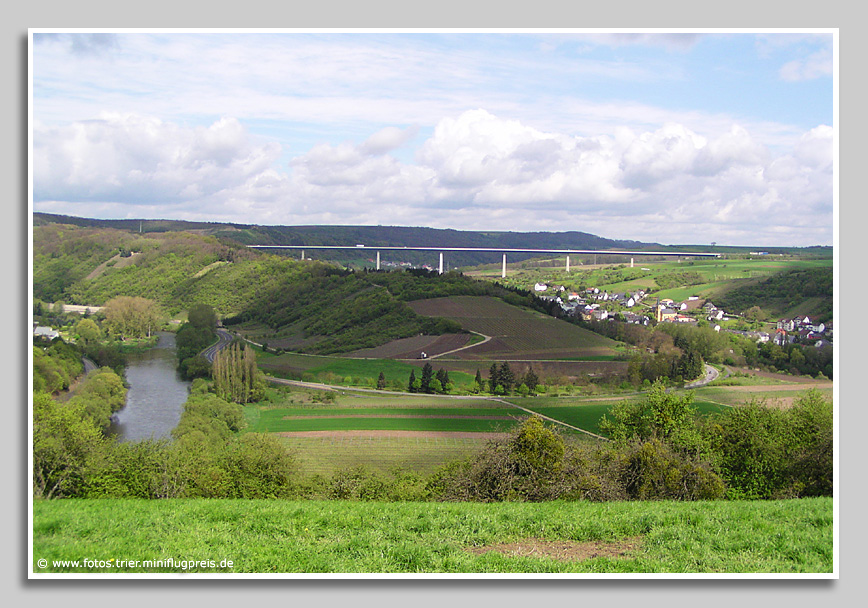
(308, 306)
(796, 292)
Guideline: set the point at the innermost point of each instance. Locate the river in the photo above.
(156, 394)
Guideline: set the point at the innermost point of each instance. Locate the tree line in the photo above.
(658, 449)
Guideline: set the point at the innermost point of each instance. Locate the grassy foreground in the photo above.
(262, 536)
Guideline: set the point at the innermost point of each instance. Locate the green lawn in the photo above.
(587, 415)
(278, 536)
(422, 453)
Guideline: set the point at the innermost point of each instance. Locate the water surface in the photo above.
(156, 394)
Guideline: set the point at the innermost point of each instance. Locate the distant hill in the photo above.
(370, 236)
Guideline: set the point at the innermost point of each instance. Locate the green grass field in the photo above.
(420, 452)
(586, 414)
(261, 536)
(360, 372)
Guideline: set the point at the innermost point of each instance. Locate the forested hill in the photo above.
(371, 236)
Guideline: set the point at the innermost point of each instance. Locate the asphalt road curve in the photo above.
(224, 339)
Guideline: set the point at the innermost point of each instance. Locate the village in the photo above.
(598, 305)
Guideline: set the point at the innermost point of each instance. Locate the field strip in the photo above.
(455, 350)
(387, 434)
(774, 388)
(342, 389)
(570, 426)
(410, 416)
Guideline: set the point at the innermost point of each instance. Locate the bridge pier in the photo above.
(503, 270)
(568, 263)
(631, 262)
(378, 260)
(441, 262)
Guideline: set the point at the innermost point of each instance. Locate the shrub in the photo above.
(259, 467)
(654, 471)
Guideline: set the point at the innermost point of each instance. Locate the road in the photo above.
(224, 339)
(710, 376)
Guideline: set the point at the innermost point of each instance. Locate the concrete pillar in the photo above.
(302, 254)
(568, 263)
(503, 270)
(631, 262)
(378, 260)
(441, 262)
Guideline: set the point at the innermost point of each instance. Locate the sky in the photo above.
(725, 137)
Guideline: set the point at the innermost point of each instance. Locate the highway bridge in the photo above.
(504, 251)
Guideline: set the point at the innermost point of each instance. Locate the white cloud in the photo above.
(475, 171)
(816, 65)
(142, 159)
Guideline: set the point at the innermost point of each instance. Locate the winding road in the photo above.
(224, 339)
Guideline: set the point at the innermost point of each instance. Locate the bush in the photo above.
(768, 453)
(259, 467)
(654, 471)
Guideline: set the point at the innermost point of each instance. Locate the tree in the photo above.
(506, 377)
(88, 331)
(531, 380)
(381, 381)
(132, 317)
(102, 393)
(427, 376)
(411, 385)
(64, 441)
(236, 376)
(661, 415)
(443, 378)
(493, 378)
(202, 316)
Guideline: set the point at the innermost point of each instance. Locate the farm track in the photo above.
(449, 352)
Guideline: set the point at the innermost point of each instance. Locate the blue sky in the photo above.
(670, 137)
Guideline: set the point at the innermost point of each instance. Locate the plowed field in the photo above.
(516, 333)
(411, 348)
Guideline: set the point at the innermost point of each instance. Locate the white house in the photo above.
(45, 332)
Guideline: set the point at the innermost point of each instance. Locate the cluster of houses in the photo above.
(803, 330)
(595, 305)
(590, 304)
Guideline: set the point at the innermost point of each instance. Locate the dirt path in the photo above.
(455, 350)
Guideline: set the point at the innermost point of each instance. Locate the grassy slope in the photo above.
(369, 537)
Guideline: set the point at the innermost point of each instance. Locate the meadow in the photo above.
(708, 277)
(320, 537)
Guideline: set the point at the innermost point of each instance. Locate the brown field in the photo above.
(410, 348)
(516, 333)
